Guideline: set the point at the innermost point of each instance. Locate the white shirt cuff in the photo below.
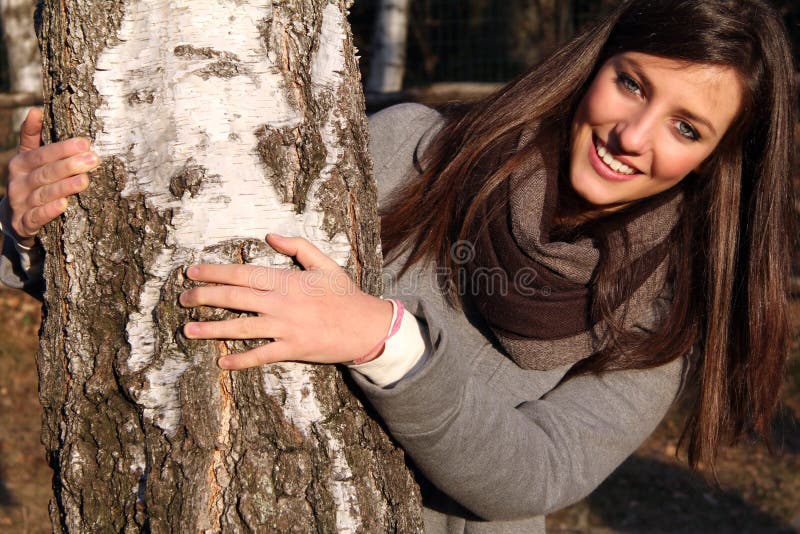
(400, 354)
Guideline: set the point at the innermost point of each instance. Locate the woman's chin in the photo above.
(598, 198)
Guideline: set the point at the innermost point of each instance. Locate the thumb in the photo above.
(309, 256)
(30, 134)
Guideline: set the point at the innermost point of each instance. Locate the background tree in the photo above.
(388, 61)
(22, 51)
(20, 74)
(218, 122)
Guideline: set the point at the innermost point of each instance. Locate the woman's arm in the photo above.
(21, 267)
(503, 461)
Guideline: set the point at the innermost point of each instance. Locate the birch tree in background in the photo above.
(19, 39)
(388, 61)
(218, 122)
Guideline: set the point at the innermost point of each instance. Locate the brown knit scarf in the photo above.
(535, 293)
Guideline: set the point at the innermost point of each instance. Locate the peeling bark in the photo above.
(217, 122)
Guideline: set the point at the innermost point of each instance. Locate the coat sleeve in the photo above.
(503, 456)
(504, 461)
(20, 267)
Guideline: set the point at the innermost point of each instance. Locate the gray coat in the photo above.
(499, 445)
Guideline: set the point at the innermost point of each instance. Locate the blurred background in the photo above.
(429, 51)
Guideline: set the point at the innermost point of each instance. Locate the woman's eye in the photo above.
(685, 129)
(629, 84)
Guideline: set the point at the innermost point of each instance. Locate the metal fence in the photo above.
(494, 40)
(479, 40)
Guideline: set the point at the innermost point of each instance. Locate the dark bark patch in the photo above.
(194, 52)
(292, 473)
(292, 158)
(191, 178)
(277, 149)
(240, 250)
(332, 197)
(222, 68)
(142, 96)
(226, 64)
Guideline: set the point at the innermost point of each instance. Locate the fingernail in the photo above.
(90, 158)
(191, 271)
(223, 363)
(190, 329)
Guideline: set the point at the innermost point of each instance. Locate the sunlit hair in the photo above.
(729, 254)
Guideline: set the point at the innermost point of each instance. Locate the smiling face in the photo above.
(645, 123)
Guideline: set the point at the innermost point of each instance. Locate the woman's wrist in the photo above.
(394, 326)
(401, 353)
(8, 229)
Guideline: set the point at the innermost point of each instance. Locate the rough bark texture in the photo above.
(218, 122)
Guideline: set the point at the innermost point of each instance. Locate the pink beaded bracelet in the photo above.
(397, 319)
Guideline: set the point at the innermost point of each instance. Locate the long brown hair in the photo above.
(729, 253)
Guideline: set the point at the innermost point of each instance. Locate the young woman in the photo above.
(568, 252)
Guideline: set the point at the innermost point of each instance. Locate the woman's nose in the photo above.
(634, 134)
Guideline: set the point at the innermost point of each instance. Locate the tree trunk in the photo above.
(19, 39)
(388, 61)
(218, 122)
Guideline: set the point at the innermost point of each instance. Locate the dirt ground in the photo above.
(650, 493)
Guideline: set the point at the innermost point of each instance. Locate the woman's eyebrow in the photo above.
(636, 68)
(648, 86)
(697, 118)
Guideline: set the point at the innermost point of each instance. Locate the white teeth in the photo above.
(616, 165)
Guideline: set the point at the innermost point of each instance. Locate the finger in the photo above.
(228, 297)
(29, 160)
(33, 220)
(270, 353)
(64, 168)
(60, 189)
(250, 276)
(309, 256)
(30, 133)
(241, 328)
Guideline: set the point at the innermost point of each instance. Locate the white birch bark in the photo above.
(388, 61)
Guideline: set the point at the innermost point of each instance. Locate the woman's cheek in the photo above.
(672, 166)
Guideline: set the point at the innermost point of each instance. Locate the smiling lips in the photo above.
(607, 166)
